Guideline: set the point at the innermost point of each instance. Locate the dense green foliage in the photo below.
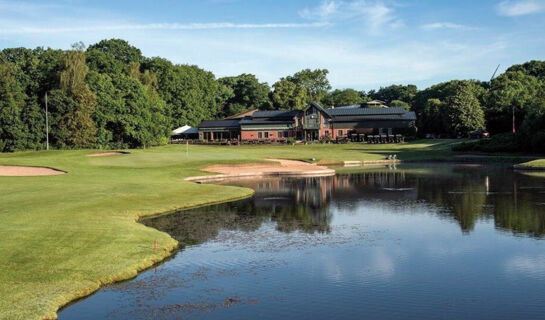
(111, 96)
(346, 97)
(245, 93)
(289, 95)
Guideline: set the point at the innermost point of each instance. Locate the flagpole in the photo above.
(514, 127)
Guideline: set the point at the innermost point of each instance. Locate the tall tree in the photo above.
(289, 95)
(345, 97)
(429, 104)
(463, 111)
(396, 92)
(315, 81)
(248, 94)
(533, 68)
(81, 128)
(120, 49)
(513, 89)
(190, 92)
(12, 101)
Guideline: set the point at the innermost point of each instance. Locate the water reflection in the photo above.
(463, 194)
(384, 243)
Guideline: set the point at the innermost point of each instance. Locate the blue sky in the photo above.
(365, 44)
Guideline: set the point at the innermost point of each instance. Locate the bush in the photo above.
(2, 145)
(506, 142)
(538, 142)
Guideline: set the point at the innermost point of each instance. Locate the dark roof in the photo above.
(247, 113)
(261, 121)
(354, 106)
(408, 116)
(364, 111)
(276, 114)
(219, 123)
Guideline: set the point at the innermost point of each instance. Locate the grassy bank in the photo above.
(532, 165)
(64, 236)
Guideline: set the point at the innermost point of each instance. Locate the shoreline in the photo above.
(171, 251)
(166, 195)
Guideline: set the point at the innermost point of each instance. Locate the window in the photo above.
(260, 135)
(327, 133)
(267, 135)
(340, 132)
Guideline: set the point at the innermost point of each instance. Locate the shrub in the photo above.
(506, 142)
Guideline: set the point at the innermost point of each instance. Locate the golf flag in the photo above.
(514, 127)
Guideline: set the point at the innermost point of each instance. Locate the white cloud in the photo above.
(526, 265)
(375, 15)
(513, 8)
(159, 26)
(445, 25)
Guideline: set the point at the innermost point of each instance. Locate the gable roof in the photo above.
(276, 114)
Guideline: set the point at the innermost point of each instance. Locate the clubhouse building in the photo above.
(314, 123)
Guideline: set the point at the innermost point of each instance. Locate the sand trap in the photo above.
(106, 154)
(20, 171)
(275, 168)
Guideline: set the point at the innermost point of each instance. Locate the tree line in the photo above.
(109, 95)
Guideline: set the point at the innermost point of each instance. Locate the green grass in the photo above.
(532, 165)
(62, 237)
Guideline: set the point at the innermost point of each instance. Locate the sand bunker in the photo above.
(275, 168)
(106, 154)
(20, 171)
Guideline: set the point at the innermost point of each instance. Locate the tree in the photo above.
(191, 93)
(120, 49)
(463, 111)
(345, 97)
(288, 95)
(314, 81)
(513, 89)
(429, 103)
(533, 68)
(79, 122)
(395, 92)
(247, 94)
(12, 102)
(399, 103)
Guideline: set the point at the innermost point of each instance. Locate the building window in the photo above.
(266, 135)
(340, 132)
(280, 134)
(260, 135)
(327, 133)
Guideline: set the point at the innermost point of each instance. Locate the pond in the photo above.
(412, 241)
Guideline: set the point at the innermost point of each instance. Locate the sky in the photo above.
(365, 44)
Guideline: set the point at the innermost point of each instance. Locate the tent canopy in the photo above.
(184, 130)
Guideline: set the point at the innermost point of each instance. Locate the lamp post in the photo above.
(46, 124)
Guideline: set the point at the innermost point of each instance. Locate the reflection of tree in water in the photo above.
(464, 194)
(469, 194)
